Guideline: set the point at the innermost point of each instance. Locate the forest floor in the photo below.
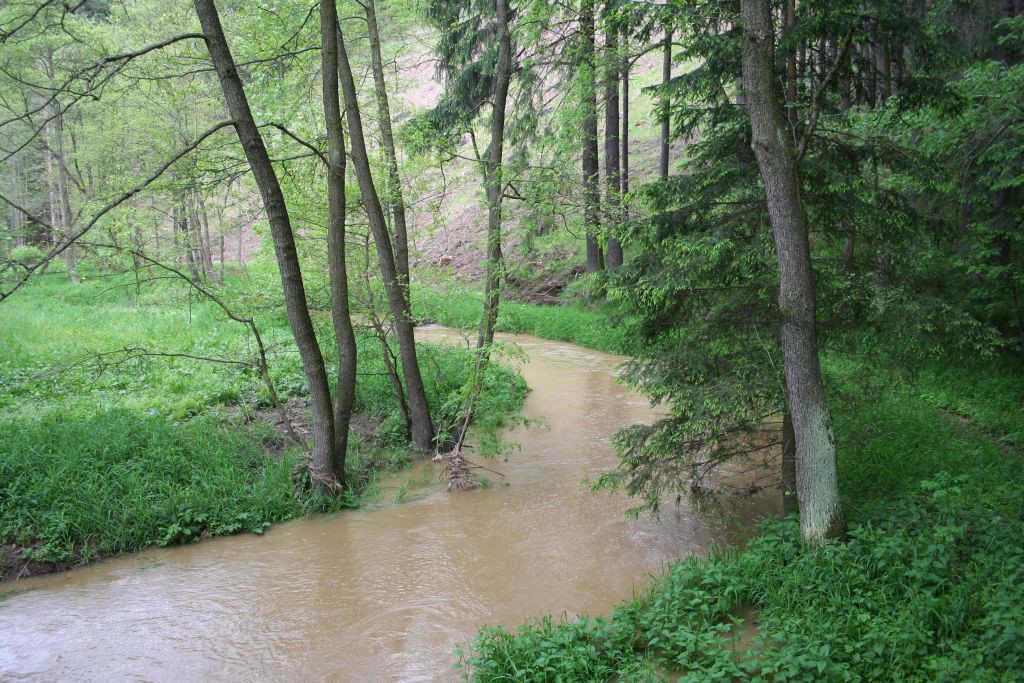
(105, 451)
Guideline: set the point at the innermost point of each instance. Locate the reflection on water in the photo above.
(383, 594)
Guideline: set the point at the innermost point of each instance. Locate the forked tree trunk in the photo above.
(422, 427)
(591, 168)
(344, 335)
(322, 464)
(613, 182)
(817, 484)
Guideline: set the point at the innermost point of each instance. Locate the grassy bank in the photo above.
(929, 586)
(459, 306)
(105, 455)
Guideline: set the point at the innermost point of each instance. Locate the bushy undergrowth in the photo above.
(98, 457)
(932, 592)
(81, 485)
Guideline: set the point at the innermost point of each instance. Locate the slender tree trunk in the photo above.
(395, 199)
(612, 171)
(666, 127)
(51, 186)
(205, 247)
(64, 195)
(494, 178)
(321, 466)
(422, 427)
(222, 257)
(789, 24)
(194, 235)
(344, 335)
(591, 168)
(817, 482)
(182, 230)
(624, 138)
(59, 191)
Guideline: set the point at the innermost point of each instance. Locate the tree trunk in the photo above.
(344, 335)
(395, 199)
(205, 248)
(494, 178)
(789, 500)
(65, 197)
(789, 24)
(666, 128)
(612, 172)
(422, 427)
(322, 464)
(624, 138)
(183, 233)
(817, 482)
(591, 168)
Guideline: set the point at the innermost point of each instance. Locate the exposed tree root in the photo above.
(459, 473)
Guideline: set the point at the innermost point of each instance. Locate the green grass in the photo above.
(102, 460)
(460, 307)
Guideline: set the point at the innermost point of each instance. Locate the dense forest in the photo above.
(799, 224)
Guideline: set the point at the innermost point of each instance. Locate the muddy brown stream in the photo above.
(379, 594)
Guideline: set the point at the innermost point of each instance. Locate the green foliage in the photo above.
(82, 485)
(931, 592)
(25, 255)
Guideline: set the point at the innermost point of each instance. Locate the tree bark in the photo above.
(422, 427)
(666, 129)
(322, 464)
(341, 318)
(395, 199)
(180, 220)
(789, 501)
(624, 138)
(612, 171)
(817, 483)
(205, 247)
(591, 167)
(494, 178)
(789, 24)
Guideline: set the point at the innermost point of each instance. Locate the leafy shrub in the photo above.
(935, 591)
(25, 255)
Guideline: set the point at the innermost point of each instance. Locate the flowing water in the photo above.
(382, 594)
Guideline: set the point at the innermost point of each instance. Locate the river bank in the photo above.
(929, 584)
(109, 454)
